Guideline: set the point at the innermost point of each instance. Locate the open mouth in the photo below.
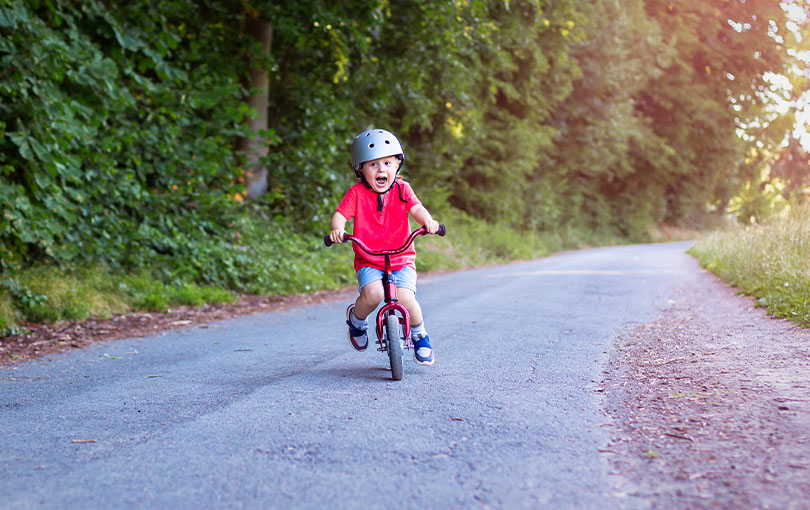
(381, 181)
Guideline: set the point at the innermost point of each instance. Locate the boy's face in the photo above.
(380, 173)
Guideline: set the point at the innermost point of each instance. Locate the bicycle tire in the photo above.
(394, 340)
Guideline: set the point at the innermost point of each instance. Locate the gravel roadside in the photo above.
(710, 405)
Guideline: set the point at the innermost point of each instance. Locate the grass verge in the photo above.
(768, 262)
(272, 258)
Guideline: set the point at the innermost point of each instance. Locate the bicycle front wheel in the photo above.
(394, 341)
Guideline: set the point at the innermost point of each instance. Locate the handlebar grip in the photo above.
(442, 230)
(327, 239)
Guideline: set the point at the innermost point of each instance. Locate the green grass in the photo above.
(272, 258)
(770, 262)
(9, 316)
(49, 294)
(144, 292)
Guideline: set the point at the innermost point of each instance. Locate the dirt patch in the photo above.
(710, 405)
(42, 339)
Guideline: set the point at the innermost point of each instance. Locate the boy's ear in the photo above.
(356, 171)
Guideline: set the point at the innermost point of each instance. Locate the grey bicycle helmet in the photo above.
(374, 144)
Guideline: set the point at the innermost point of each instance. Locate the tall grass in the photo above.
(770, 262)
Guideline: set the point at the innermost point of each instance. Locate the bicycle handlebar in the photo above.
(421, 231)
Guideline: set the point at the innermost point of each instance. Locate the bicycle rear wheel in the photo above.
(394, 343)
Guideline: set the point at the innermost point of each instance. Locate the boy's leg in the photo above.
(356, 313)
(371, 294)
(408, 299)
(422, 351)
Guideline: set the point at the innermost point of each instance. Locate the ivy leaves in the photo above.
(111, 122)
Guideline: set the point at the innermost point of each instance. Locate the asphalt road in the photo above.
(277, 411)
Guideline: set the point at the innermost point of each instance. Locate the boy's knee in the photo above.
(406, 295)
(372, 293)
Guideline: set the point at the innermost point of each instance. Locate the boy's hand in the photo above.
(337, 235)
(432, 226)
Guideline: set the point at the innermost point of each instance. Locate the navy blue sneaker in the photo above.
(422, 352)
(357, 337)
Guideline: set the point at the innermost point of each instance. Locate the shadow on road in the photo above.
(355, 372)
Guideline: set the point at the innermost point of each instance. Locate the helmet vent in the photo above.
(371, 146)
(388, 141)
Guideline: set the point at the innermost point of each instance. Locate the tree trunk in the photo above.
(258, 82)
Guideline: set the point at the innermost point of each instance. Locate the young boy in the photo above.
(380, 204)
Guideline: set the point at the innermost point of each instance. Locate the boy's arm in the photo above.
(338, 227)
(423, 217)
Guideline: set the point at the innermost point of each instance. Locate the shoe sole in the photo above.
(424, 363)
(349, 333)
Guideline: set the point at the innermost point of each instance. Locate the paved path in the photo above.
(276, 411)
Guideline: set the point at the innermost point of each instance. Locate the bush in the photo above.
(116, 132)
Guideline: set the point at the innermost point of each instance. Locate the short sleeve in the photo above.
(348, 206)
(407, 195)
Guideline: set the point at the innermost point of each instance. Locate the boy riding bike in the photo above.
(380, 204)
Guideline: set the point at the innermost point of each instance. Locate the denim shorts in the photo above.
(405, 277)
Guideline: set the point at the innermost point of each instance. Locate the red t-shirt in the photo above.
(385, 229)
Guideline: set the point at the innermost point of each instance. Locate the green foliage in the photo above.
(558, 123)
(425, 86)
(529, 73)
(142, 291)
(768, 262)
(594, 165)
(291, 261)
(25, 299)
(711, 85)
(790, 170)
(314, 97)
(118, 127)
(474, 242)
(46, 294)
(9, 315)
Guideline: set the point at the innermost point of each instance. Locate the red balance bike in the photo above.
(393, 321)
